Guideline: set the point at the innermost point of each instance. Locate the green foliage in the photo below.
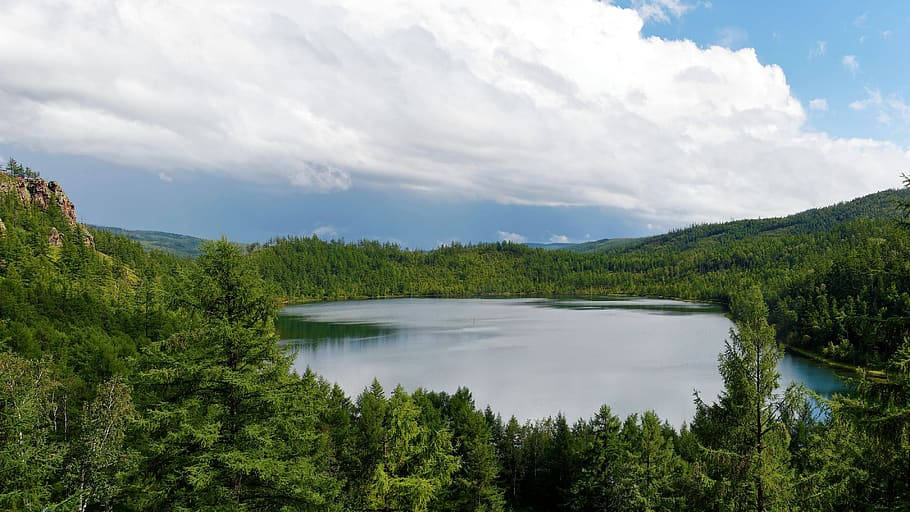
(745, 443)
(216, 396)
(30, 453)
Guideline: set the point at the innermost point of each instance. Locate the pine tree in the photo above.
(651, 469)
(220, 403)
(415, 465)
(745, 441)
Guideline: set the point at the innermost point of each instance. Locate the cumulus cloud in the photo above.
(851, 63)
(506, 236)
(482, 100)
(560, 239)
(819, 104)
(165, 177)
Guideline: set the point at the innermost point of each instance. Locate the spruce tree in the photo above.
(219, 421)
(746, 444)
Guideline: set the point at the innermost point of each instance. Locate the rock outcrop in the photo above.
(56, 239)
(43, 194)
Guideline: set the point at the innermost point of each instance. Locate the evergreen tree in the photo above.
(415, 464)
(746, 443)
(651, 470)
(475, 484)
(599, 485)
(219, 398)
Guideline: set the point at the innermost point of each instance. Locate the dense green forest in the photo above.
(136, 380)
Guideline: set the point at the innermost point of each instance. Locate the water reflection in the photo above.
(529, 357)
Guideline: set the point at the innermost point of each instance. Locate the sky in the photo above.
(424, 122)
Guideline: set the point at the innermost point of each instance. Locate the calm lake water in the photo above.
(529, 357)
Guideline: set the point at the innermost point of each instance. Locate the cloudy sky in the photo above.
(425, 121)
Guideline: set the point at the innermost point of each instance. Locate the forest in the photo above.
(133, 379)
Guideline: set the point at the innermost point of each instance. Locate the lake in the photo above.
(529, 357)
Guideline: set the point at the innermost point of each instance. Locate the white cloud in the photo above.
(887, 107)
(483, 100)
(873, 98)
(860, 20)
(819, 104)
(886, 34)
(732, 37)
(862, 39)
(506, 236)
(560, 239)
(165, 177)
(851, 63)
(661, 10)
(899, 107)
(820, 48)
(325, 232)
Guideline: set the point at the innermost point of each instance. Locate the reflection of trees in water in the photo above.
(631, 305)
(303, 332)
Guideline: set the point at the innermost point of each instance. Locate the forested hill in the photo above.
(180, 245)
(880, 205)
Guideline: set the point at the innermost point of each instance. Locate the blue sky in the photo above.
(422, 124)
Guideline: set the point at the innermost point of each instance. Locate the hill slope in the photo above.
(180, 245)
(880, 205)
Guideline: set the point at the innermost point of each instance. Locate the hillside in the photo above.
(880, 205)
(180, 245)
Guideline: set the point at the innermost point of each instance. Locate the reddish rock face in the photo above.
(19, 187)
(66, 206)
(39, 192)
(43, 194)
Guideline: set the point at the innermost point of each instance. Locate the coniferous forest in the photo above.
(139, 380)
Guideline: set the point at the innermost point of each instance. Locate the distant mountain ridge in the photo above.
(181, 245)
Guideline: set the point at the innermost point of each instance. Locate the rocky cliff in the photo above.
(43, 194)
